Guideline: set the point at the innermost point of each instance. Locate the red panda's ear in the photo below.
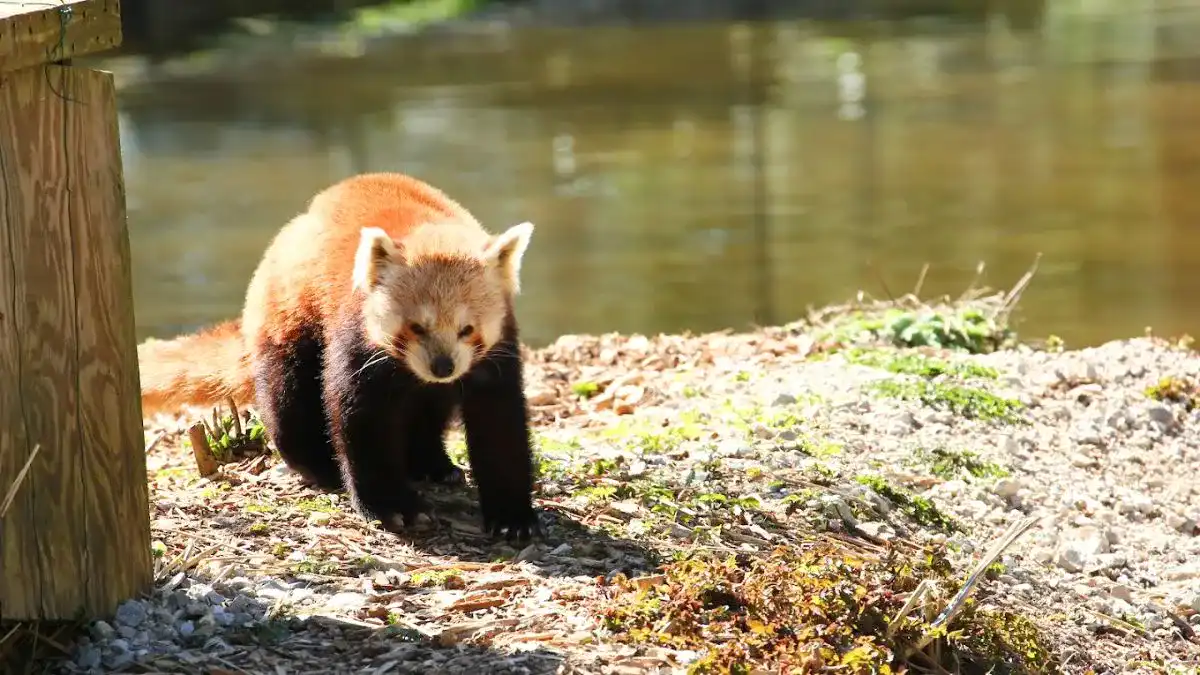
(375, 250)
(505, 251)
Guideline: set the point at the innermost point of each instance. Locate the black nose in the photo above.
(442, 366)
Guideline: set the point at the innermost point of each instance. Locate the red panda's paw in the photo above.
(400, 512)
(516, 519)
(398, 524)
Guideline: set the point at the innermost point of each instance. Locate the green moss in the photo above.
(1008, 640)
(585, 389)
(950, 464)
(428, 578)
(316, 566)
(645, 437)
(917, 364)
(919, 508)
(961, 400)
(321, 503)
(409, 12)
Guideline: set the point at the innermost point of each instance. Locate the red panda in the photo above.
(371, 319)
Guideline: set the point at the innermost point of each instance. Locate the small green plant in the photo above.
(817, 608)
(968, 328)
(231, 437)
(919, 508)
(969, 402)
(1175, 390)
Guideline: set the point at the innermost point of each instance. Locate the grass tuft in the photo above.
(977, 322)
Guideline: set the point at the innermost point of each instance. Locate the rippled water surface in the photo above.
(713, 175)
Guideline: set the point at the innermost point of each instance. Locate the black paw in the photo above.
(518, 522)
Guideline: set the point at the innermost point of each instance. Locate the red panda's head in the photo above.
(439, 301)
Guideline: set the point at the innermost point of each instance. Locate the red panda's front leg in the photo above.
(369, 410)
(499, 447)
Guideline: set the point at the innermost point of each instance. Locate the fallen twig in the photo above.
(16, 485)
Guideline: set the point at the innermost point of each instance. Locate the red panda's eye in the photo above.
(416, 328)
(466, 331)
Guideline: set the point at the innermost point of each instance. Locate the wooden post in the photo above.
(76, 539)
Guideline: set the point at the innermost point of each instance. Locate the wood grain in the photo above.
(78, 537)
(42, 31)
(116, 492)
(20, 579)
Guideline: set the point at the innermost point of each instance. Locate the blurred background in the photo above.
(690, 164)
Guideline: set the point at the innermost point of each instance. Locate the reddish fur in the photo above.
(338, 412)
(201, 369)
(309, 280)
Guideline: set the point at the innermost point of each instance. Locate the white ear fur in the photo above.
(374, 248)
(505, 251)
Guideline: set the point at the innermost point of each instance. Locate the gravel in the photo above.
(1109, 474)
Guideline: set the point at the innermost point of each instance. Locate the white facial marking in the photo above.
(426, 316)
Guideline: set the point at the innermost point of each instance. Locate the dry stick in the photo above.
(971, 286)
(956, 604)
(920, 281)
(16, 485)
(10, 633)
(1014, 295)
(882, 282)
(206, 462)
(913, 598)
(155, 441)
(237, 422)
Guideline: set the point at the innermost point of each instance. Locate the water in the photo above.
(710, 176)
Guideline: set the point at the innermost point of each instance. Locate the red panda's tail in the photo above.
(201, 369)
